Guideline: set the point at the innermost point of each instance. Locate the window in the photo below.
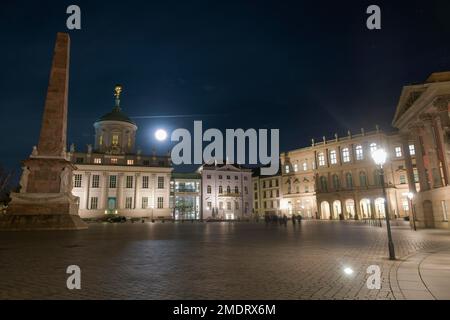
(376, 177)
(228, 190)
(362, 179)
(144, 202)
(236, 205)
(98, 161)
(129, 182)
(306, 189)
(402, 179)
(145, 182)
(245, 190)
(286, 169)
(323, 184)
(321, 159)
(100, 142)
(236, 177)
(444, 210)
(220, 177)
(296, 167)
(228, 177)
(255, 186)
(416, 175)
(333, 158)
(276, 183)
(305, 166)
(94, 203)
(208, 189)
(256, 205)
(264, 184)
(359, 153)
(130, 162)
(160, 182)
(128, 202)
(412, 150)
(208, 176)
(346, 155)
(220, 189)
(270, 184)
(349, 180)
(373, 147)
(209, 205)
(245, 178)
(398, 152)
(115, 140)
(114, 160)
(160, 203)
(113, 182)
(236, 190)
(95, 181)
(336, 183)
(256, 196)
(228, 205)
(80, 160)
(78, 180)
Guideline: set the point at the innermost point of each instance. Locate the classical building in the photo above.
(267, 195)
(422, 118)
(185, 196)
(112, 178)
(226, 192)
(338, 179)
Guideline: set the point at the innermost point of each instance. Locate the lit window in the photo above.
(412, 150)
(305, 166)
(160, 202)
(95, 181)
(145, 180)
(405, 205)
(333, 158)
(160, 182)
(416, 175)
(114, 160)
(115, 140)
(78, 180)
(444, 210)
(287, 169)
(321, 159)
(398, 152)
(130, 162)
(129, 182)
(373, 147)
(98, 161)
(113, 182)
(295, 167)
(346, 155)
(359, 153)
(402, 179)
(208, 189)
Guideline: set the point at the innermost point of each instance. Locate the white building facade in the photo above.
(226, 192)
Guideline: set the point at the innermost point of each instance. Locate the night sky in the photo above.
(310, 68)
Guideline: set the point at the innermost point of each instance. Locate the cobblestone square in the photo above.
(210, 261)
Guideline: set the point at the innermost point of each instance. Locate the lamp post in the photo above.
(379, 157)
(410, 196)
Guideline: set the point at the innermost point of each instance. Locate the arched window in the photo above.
(236, 189)
(228, 190)
(323, 184)
(349, 180)
(220, 189)
(208, 189)
(336, 183)
(359, 153)
(362, 179)
(376, 177)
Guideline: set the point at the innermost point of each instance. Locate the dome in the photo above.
(116, 115)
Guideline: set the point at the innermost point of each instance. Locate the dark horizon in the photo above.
(309, 69)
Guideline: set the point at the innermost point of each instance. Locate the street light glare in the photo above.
(348, 271)
(379, 156)
(161, 135)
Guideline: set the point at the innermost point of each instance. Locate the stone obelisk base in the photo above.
(42, 211)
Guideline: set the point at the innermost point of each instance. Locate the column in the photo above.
(431, 150)
(408, 163)
(136, 194)
(423, 178)
(119, 190)
(105, 190)
(443, 130)
(88, 189)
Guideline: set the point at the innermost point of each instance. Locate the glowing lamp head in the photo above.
(379, 157)
(410, 195)
(348, 271)
(161, 135)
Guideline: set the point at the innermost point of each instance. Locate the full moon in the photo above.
(161, 135)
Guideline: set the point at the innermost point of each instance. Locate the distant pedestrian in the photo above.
(294, 218)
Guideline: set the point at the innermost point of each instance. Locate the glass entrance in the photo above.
(112, 205)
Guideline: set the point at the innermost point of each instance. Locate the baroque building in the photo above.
(267, 195)
(113, 178)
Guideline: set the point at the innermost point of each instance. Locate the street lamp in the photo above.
(410, 196)
(379, 157)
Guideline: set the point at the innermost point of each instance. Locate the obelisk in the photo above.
(45, 201)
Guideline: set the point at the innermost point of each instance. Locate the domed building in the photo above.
(113, 178)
